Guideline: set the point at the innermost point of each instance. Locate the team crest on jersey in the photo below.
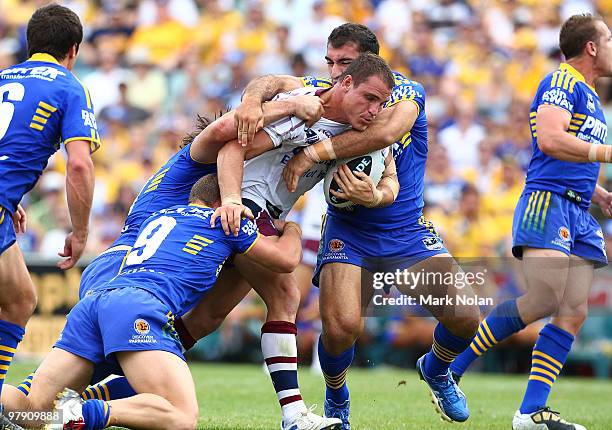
(590, 103)
(142, 326)
(564, 234)
(335, 245)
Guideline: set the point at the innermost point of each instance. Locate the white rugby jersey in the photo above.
(263, 175)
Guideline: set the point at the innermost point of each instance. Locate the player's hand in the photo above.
(249, 119)
(20, 220)
(604, 201)
(294, 170)
(356, 187)
(279, 224)
(230, 215)
(73, 249)
(308, 108)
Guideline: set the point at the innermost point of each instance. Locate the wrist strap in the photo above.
(600, 153)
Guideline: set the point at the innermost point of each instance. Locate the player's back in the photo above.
(177, 255)
(42, 104)
(169, 186)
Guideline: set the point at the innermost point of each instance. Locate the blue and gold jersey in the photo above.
(566, 88)
(41, 105)
(169, 186)
(410, 154)
(177, 255)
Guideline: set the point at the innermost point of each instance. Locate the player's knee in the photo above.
(341, 330)
(18, 307)
(283, 298)
(185, 421)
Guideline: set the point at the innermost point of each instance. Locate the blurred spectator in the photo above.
(103, 83)
(147, 85)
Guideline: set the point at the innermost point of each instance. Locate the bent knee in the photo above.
(342, 332)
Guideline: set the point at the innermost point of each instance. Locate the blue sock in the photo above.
(549, 354)
(334, 371)
(10, 336)
(26, 385)
(503, 321)
(96, 414)
(117, 388)
(446, 346)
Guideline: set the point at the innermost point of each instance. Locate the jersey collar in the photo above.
(199, 205)
(43, 57)
(575, 73)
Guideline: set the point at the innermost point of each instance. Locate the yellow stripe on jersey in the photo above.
(44, 113)
(580, 115)
(39, 119)
(47, 106)
(36, 126)
(197, 236)
(555, 77)
(87, 98)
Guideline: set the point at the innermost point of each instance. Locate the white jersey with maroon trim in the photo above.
(263, 175)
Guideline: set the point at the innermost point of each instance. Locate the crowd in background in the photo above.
(152, 65)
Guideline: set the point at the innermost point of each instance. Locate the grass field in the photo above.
(236, 397)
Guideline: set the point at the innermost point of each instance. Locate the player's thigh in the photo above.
(216, 304)
(17, 292)
(303, 276)
(162, 373)
(574, 303)
(60, 369)
(341, 296)
(546, 272)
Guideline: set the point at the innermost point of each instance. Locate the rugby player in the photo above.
(41, 105)
(397, 234)
(557, 239)
(176, 258)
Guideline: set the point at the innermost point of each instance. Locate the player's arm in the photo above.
(20, 220)
(279, 254)
(552, 124)
(359, 188)
(213, 138)
(603, 199)
(249, 115)
(391, 124)
(230, 168)
(79, 193)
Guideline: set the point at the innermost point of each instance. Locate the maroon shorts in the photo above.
(265, 224)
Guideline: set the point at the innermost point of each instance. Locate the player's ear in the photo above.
(347, 82)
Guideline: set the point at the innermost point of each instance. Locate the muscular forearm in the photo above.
(265, 87)
(277, 109)
(230, 168)
(563, 146)
(388, 194)
(79, 193)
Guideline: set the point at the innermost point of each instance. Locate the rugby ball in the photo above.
(372, 164)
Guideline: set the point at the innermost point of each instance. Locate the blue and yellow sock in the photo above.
(26, 385)
(10, 336)
(549, 355)
(335, 370)
(503, 321)
(117, 388)
(96, 414)
(446, 346)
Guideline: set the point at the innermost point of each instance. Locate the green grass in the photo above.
(234, 397)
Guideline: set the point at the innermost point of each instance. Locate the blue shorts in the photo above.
(376, 250)
(7, 230)
(543, 219)
(123, 319)
(103, 268)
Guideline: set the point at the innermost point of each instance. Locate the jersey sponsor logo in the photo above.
(557, 97)
(335, 245)
(46, 73)
(249, 228)
(593, 128)
(432, 243)
(564, 234)
(142, 326)
(89, 119)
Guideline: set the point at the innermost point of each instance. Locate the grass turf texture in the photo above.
(237, 397)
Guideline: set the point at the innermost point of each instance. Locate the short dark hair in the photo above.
(53, 30)
(576, 32)
(206, 190)
(358, 34)
(366, 65)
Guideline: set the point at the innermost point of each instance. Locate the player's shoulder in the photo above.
(565, 78)
(316, 82)
(406, 89)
